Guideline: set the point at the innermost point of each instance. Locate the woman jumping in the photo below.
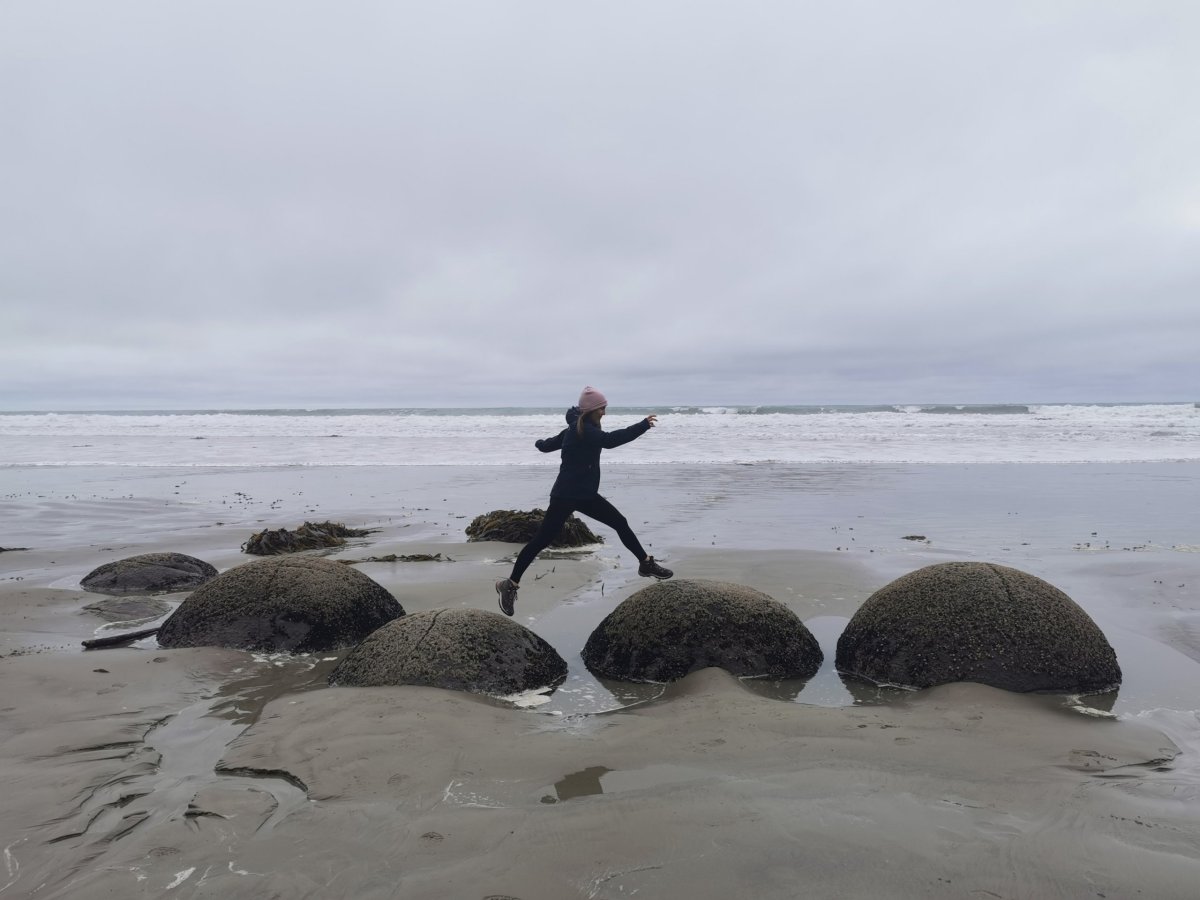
(577, 489)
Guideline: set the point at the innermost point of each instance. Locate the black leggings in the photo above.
(556, 516)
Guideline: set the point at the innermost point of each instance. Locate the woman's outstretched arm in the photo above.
(609, 439)
(549, 445)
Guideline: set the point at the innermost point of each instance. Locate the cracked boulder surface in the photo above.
(672, 628)
(149, 573)
(296, 604)
(458, 649)
(975, 621)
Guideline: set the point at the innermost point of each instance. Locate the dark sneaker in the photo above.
(650, 569)
(507, 589)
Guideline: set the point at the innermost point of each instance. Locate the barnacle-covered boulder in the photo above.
(975, 621)
(294, 603)
(516, 526)
(459, 649)
(148, 573)
(671, 628)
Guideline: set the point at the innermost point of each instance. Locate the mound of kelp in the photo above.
(393, 557)
(309, 536)
(515, 526)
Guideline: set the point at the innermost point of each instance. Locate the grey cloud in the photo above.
(216, 204)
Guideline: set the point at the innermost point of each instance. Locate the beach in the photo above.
(879, 312)
(206, 772)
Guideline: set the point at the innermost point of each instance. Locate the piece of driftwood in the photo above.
(118, 640)
(309, 536)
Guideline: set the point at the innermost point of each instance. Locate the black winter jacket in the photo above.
(579, 472)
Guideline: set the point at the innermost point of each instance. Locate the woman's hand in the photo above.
(652, 420)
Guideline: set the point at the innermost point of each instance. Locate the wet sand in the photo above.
(215, 773)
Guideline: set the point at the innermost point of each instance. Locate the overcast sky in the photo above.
(261, 204)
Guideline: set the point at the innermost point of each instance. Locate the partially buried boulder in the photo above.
(460, 649)
(516, 526)
(973, 621)
(298, 604)
(149, 573)
(669, 629)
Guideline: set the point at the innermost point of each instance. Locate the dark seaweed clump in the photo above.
(515, 526)
(309, 536)
(392, 557)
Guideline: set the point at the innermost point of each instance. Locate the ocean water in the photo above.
(1012, 433)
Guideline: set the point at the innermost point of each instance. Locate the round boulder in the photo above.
(460, 649)
(669, 629)
(149, 573)
(299, 604)
(972, 621)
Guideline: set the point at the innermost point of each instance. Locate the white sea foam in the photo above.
(696, 435)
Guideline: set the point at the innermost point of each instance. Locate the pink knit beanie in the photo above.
(591, 399)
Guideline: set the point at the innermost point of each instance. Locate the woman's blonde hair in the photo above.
(594, 415)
